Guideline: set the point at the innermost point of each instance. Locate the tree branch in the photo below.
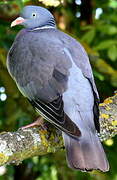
(23, 144)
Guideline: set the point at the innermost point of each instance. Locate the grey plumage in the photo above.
(44, 17)
(53, 71)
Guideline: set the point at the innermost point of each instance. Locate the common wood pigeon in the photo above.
(52, 70)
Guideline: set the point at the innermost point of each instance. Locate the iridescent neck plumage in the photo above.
(49, 25)
(51, 22)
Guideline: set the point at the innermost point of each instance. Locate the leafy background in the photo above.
(94, 24)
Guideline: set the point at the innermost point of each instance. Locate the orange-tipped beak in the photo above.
(17, 21)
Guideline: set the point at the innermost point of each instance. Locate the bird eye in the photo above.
(33, 14)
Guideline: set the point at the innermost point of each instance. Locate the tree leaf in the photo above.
(89, 36)
(107, 29)
(112, 53)
(105, 44)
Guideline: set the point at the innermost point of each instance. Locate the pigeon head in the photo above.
(34, 17)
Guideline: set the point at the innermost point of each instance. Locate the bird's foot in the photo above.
(38, 122)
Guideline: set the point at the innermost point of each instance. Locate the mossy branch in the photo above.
(23, 144)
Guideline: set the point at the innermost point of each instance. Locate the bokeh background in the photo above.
(94, 24)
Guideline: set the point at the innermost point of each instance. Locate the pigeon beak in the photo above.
(17, 21)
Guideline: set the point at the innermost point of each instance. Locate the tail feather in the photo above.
(86, 152)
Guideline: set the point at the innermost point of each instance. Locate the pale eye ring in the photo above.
(34, 15)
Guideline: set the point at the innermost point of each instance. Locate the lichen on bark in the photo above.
(108, 118)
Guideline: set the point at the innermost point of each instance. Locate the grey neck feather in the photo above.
(50, 24)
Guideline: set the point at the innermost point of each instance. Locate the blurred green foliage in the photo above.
(92, 22)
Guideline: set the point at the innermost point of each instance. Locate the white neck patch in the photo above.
(43, 27)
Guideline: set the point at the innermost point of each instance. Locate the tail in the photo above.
(85, 153)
